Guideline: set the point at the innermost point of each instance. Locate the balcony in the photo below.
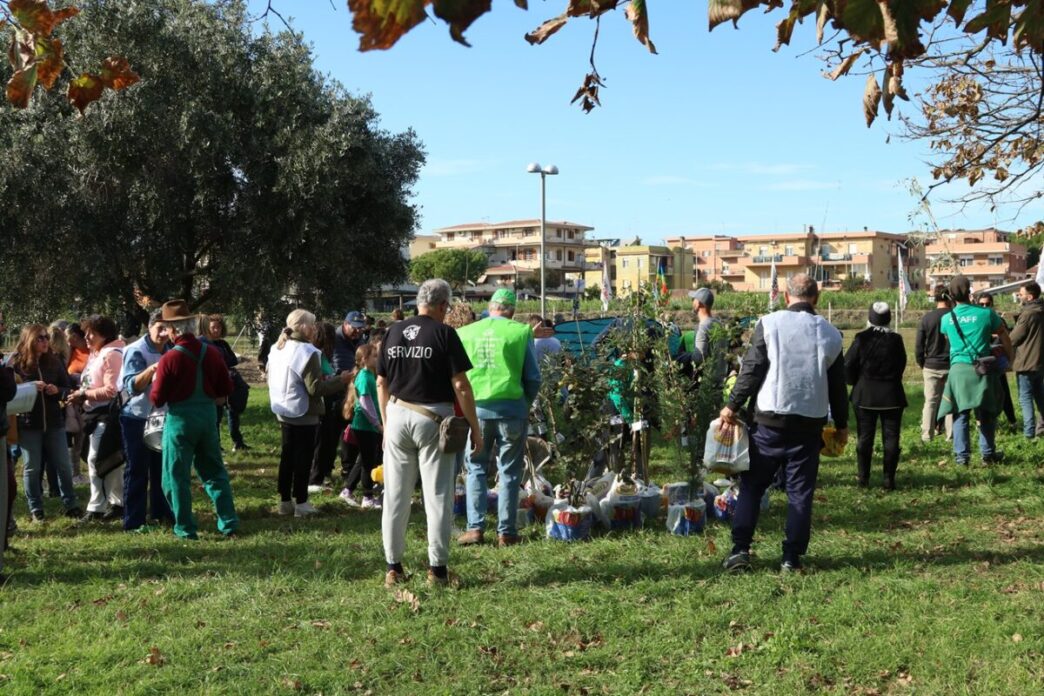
(843, 259)
(780, 259)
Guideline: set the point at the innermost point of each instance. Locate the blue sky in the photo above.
(716, 134)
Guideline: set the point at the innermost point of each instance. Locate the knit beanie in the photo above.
(880, 314)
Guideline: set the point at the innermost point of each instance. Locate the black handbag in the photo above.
(110, 448)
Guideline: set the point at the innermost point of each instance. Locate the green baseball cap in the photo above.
(504, 297)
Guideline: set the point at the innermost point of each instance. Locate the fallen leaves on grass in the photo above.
(737, 650)
(292, 684)
(408, 598)
(154, 658)
(321, 624)
(121, 616)
(1016, 638)
(735, 682)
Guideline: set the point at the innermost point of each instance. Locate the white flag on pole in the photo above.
(607, 288)
(1040, 273)
(773, 287)
(904, 284)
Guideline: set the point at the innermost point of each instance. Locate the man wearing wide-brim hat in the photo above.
(189, 379)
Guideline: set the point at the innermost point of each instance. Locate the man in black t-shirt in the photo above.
(421, 371)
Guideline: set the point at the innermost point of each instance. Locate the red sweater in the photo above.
(175, 378)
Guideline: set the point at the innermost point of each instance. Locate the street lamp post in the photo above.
(544, 172)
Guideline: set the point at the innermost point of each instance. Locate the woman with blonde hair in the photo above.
(361, 443)
(296, 389)
(41, 431)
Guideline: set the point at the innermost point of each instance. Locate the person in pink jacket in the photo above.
(99, 385)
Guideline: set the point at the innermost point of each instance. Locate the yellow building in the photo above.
(595, 259)
(422, 244)
(792, 254)
(637, 264)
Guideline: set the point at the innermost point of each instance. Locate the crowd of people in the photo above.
(445, 393)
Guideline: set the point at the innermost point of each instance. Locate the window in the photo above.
(571, 256)
(853, 248)
(995, 261)
(789, 250)
(762, 251)
(558, 254)
(964, 262)
(571, 234)
(449, 236)
(639, 262)
(623, 263)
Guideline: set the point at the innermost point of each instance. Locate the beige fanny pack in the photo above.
(453, 430)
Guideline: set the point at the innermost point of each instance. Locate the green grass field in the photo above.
(935, 589)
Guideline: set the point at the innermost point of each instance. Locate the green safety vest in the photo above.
(497, 350)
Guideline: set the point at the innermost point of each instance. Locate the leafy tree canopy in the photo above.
(233, 175)
(455, 266)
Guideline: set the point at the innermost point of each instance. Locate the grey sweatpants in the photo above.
(411, 448)
(934, 384)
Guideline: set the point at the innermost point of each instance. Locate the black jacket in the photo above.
(7, 392)
(932, 349)
(874, 367)
(47, 414)
(752, 376)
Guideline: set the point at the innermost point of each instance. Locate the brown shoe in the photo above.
(470, 537)
(451, 580)
(508, 540)
(393, 578)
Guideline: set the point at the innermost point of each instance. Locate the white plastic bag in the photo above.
(621, 509)
(687, 519)
(727, 449)
(567, 523)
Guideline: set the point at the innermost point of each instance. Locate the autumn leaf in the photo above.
(845, 65)
(821, 20)
(547, 29)
(994, 20)
(459, 14)
(638, 14)
(84, 90)
(381, 23)
(37, 17)
(719, 11)
(587, 95)
(116, 73)
(154, 658)
(22, 51)
(957, 9)
(20, 87)
(49, 63)
(408, 598)
(871, 97)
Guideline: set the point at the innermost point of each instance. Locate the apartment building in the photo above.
(745, 262)
(638, 263)
(601, 256)
(988, 257)
(422, 244)
(868, 254)
(513, 251)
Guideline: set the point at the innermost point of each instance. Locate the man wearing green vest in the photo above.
(505, 378)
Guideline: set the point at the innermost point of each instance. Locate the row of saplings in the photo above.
(600, 454)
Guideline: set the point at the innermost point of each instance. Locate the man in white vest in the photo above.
(794, 370)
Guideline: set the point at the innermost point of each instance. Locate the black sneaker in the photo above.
(114, 513)
(995, 458)
(738, 562)
(790, 565)
(36, 516)
(240, 447)
(74, 512)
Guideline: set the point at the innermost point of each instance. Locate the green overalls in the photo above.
(190, 436)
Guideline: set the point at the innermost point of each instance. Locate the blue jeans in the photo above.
(1031, 391)
(509, 435)
(142, 477)
(46, 445)
(962, 439)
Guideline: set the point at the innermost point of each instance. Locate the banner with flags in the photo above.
(607, 288)
(663, 293)
(773, 287)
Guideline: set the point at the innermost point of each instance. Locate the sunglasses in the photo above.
(42, 339)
